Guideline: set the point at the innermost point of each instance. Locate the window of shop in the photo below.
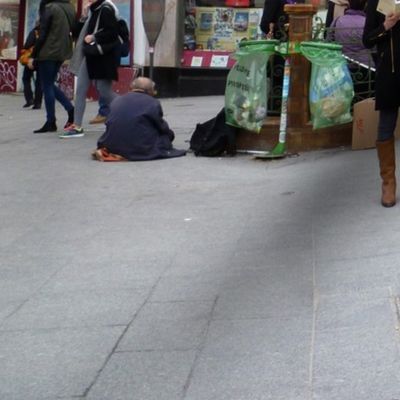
(213, 29)
(9, 21)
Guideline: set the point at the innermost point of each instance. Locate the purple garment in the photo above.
(348, 31)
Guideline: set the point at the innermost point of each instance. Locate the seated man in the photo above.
(135, 128)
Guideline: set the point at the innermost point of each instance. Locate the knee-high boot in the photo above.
(387, 165)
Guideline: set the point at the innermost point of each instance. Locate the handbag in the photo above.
(94, 48)
(25, 56)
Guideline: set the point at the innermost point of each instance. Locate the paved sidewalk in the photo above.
(192, 278)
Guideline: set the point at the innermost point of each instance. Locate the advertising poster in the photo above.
(222, 28)
(9, 15)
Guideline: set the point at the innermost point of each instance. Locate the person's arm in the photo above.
(160, 123)
(376, 25)
(45, 24)
(30, 40)
(108, 29)
(269, 16)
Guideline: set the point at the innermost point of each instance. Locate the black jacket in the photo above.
(31, 38)
(103, 66)
(273, 13)
(387, 87)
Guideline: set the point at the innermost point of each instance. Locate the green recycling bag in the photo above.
(331, 86)
(246, 85)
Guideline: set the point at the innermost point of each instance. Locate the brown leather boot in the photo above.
(387, 164)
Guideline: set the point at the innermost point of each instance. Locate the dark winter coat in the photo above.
(57, 18)
(103, 66)
(136, 130)
(273, 13)
(387, 79)
(32, 37)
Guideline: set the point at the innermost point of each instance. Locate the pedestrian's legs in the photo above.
(104, 109)
(386, 155)
(61, 97)
(48, 72)
(82, 86)
(26, 80)
(38, 91)
(104, 88)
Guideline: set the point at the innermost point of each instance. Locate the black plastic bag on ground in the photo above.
(214, 137)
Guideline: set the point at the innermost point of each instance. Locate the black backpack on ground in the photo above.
(214, 137)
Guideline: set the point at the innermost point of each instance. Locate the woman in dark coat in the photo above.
(100, 30)
(384, 33)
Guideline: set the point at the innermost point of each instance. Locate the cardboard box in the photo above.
(388, 6)
(365, 125)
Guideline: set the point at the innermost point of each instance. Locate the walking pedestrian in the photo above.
(384, 33)
(99, 28)
(29, 75)
(52, 48)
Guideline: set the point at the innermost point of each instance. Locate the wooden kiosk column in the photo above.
(299, 134)
(300, 30)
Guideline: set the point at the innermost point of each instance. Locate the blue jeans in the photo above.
(387, 123)
(48, 73)
(104, 107)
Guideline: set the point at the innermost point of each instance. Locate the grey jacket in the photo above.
(55, 39)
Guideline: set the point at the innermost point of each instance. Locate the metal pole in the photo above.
(151, 53)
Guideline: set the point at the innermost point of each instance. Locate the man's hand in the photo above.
(89, 38)
(30, 64)
(270, 34)
(391, 21)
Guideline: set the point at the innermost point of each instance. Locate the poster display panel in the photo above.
(9, 21)
(222, 28)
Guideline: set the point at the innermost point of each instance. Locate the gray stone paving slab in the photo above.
(151, 375)
(373, 307)
(45, 364)
(240, 376)
(258, 296)
(95, 275)
(168, 326)
(188, 288)
(261, 258)
(77, 309)
(354, 245)
(357, 363)
(290, 337)
(7, 308)
(366, 273)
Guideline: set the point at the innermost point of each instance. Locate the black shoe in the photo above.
(28, 104)
(36, 107)
(47, 127)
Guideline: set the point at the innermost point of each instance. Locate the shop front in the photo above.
(191, 55)
(17, 19)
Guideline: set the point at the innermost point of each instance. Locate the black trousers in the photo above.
(27, 77)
